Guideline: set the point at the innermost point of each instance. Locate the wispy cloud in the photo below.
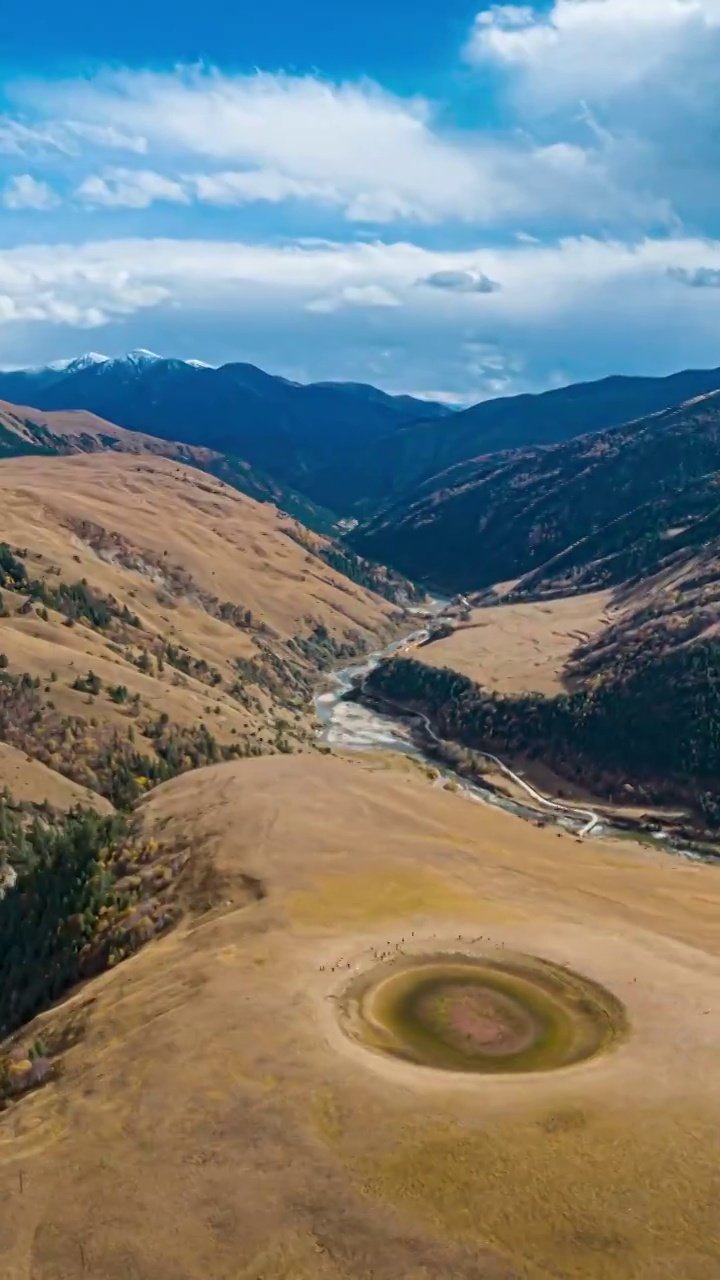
(25, 192)
(354, 295)
(376, 157)
(129, 189)
(38, 136)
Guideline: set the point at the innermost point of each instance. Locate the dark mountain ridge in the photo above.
(348, 446)
(288, 429)
(589, 512)
(426, 449)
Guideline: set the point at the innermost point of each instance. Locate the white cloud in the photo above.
(21, 137)
(631, 83)
(592, 48)
(538, 281)
(358, 295)
(323, 309)
(244, 187)
(130, 189)
(18, 138)
(106, 136)
(25, 192)
(376, 157)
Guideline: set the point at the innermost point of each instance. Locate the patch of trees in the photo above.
(76, 601)
(654, 724)
(283, 677)
(13, 573)
(323, 651)
(104, 759)
(91, 683)
(181, 659)
(89, 891)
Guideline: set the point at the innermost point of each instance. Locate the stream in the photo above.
(354, 727)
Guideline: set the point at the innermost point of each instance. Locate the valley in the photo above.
(349, 930)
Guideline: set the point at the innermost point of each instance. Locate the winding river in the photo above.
(355, 727)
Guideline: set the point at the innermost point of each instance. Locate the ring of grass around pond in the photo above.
(481, 1014)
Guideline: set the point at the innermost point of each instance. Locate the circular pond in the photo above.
(461, 1013)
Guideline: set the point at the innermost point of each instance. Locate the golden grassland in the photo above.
(73, 425)
(174, 539)
(73, 430)
(521, 648)
(212, 1120)
(231, 545)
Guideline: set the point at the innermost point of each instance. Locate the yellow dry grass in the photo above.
(520, 648)
(215, 1123)
(31, 780)
(231, 545)
(235, 549)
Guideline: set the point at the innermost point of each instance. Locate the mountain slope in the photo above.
(635, 509)
(628, 707)
(152, 619)
(285, 428)
(30, 431)
(600, 508)
(425, 449)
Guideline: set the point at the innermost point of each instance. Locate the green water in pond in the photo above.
(459, 1013)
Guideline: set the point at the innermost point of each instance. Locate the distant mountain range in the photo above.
(349, 447)
(422, 450)
(614, 484)
(460, 499)
(303, 435)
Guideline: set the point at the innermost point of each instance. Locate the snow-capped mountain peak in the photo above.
(140, 356)
(79, 362)
(135, 361)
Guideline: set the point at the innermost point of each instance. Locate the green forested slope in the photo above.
(652, 724)
(605, 503)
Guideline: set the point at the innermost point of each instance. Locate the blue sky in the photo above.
(459, 203)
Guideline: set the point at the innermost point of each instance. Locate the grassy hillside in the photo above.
(153, 619)
(216, 1123)
(26, 431)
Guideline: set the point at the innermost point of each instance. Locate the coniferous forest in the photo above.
(654, 727)
(78, 893)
